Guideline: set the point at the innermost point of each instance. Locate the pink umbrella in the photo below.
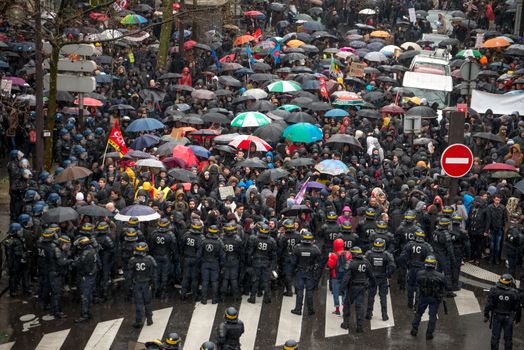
(17, 81)
(91, 102)
(499, 167)
(186, 155)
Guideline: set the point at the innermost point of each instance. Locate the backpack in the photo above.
(339, 267)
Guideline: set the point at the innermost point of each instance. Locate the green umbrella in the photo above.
(505, 175)
(289, 108)
(250, 119)
(284, 86)
(303, 132)
(468, 53)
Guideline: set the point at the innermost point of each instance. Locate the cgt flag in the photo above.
(323, 87)
(116, 140)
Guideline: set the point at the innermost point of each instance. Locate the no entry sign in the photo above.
(456, 160)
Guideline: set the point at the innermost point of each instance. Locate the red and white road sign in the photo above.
(456, 160)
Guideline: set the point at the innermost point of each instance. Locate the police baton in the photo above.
(445, 306)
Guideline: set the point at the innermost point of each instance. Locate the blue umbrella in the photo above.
(311, 85)
(243, 71)
(144, 124)
(145, 141)
(303, 132)
(336, 113)
(142, 212)
(200, 151)
(332, 167)
(357, 44)
(105, 78)
(375, 46)
(313, 26)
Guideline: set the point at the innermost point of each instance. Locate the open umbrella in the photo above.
(303, 132)
(259, 94)
(495, 43)
(203, 94)
(272, 175)
(489, 136)
(150, 163)
(336, 113)
(468, 53)
(133, 19)
(284, 86)
(73, 173)
(296, 210)
(182, 175)
(422, 111)
(94, 210)
(319, 106)
(289, 107)
(185, 154)
(90, 102)
(392, 109)
(300, 117)
(200, 151)
(332, 167)
(242, 40)
(505, 175)
(520, 186)
(144, 124)
(499, 167)
(135, 154)
(346, 139)
(270, 132)
(145, 141)
(58, 215)
(213, 117)
(141, 212)
(297, 162)
(250, 119)
(252, 163)
(245, 141)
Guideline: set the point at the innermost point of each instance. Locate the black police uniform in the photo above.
(306, 263)
(431, 287)
(514, 245)
(443, 248)
(143, 273)
(365, 230)
(189, 246)
(350, 239)
(211, 256)
(17, 264)
(404, 234)
(504, 307)
(163, 247)
(229, 333)
(383, 266)
(107, 255)
(358, 274)
(87, 264)
(329, 231)
(285, 254)
(262, 257)
(233, 247)
(412, 258)
(461, 249)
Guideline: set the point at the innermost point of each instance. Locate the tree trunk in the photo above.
(165, 34)
(51, 104)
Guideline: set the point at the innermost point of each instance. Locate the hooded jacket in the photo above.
(338, 250)
(515, 154)
(343, 218)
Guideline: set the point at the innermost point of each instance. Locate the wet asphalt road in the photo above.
(466, 332)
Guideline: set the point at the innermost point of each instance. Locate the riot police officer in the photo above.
(503, 307)
(404, 234)
(172, 342)
(46, 248)
(17, 260)
(383, 266)
(143, 273)
(514, 243)
(461, 248)
(290, 344)
(443, 249)
(262, 257)
(306, 263)
(57, 276)
(87, 264)
(349, 237)
(285, 254)
(211, 256)
(230, 331)
(329, 231)
(431, 286)
(382, 232)
(412, 257)
(127, 248)
(106, 253)
(233, 247)
(163, 248)
(367, 228)
(358, 274)
(190, 246)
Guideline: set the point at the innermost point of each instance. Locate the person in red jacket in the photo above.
(186, 78)
(336, 261)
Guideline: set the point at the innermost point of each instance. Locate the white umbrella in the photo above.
(344, 54)
(259, 94)
(408, 44)
(389, 50)
(367, 12)
(151, 163)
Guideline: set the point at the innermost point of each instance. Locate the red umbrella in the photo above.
(188, 45)
(499, 167)
(253, 13)
(245, 141)
(97, 16)
(228, 58)
(186, 155)
(90, 102)
(392, 109)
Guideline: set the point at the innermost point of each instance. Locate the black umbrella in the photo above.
(278, 7)
(94, 210)
(225, 148)
(300, 117)
(354, 80)
(170, 76)
(58, 215)
(182, 175)
(192, 119)
(386, 79)
(262, 106)
(449, 42)
(261, 67)
(213, 117)
(152, 94)
(296, 210)
(344, 138)
(261, 77)
(296, 162)
(408, 55)
(228, 80)
(520, 186)
(369, 113)
(252, 163)
(319, 106)
(270, 132)
(422, 111)
(222, 92)
(301, 101)
(202, 47)
(374, 97)
(121, 107)
(489, 136)
(272, 175)
(62, 96)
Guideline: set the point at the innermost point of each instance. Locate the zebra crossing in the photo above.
(202, 320)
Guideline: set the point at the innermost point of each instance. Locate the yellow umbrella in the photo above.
(295, 43)
(380, 34)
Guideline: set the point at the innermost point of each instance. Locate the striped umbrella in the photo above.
(245, 141)
(349, 100)
(284, 86)
(250, 119)
(133, 19)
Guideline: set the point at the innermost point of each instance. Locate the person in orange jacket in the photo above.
(336, 261)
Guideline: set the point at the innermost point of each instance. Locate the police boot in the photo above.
(360, 329)
(385, 315)
(137, 324)
(344, 325)
(414, 332)
(203, 301)
(251, 299)
(310, 312)
(81, 319)
(288, 292)
(267, 299)
(149, 321)
(429, 336)
(297, 311)
(369, 315)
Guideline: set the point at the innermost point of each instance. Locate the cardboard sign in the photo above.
(356, 69)
(226, 191)
(5, 87)
(412, 14)
(479, 40)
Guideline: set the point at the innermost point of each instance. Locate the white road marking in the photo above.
(332, 325)
(104, 334)
(250, 315)
(157, 329)
(53, 341)
(201, 325)
(466, 302)
(376, 321)
(289, 325)
(7, 346)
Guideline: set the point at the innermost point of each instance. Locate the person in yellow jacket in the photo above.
(145, 193)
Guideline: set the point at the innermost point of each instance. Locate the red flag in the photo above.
(323, 87)
(257, 34)
(116, 140)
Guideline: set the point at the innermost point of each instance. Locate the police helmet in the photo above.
(163, 222)
(83, 242)
(456, 219)
(346, 226)
(59, 117)
(447, 210)
(155, 344)
(133, 221)
(24, 219)
(231, 314)
(173, 339)
(331, 215)
(379, 245)
(38, 209)
(410, 216)
(371, 213)
(48, 233)
(43, 176)
(99, 131)
(26, 173)
(78, 138)
(288, 225)
(382, 226)
(87, 229)
(505, 281)
(356, 252)
(208, 345)
(196, 224)
(419, 235)
(131, 235)
(141, 248)
(212, 230)
(14, 228)
(263, 229)
(90, 122)
(307, 236)
(15, 154)
(290, 345)
(102, 226)
(53, 198)
(64, 239)
(444, 222)
(58, 170)
(430, 262)
(230, 227)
